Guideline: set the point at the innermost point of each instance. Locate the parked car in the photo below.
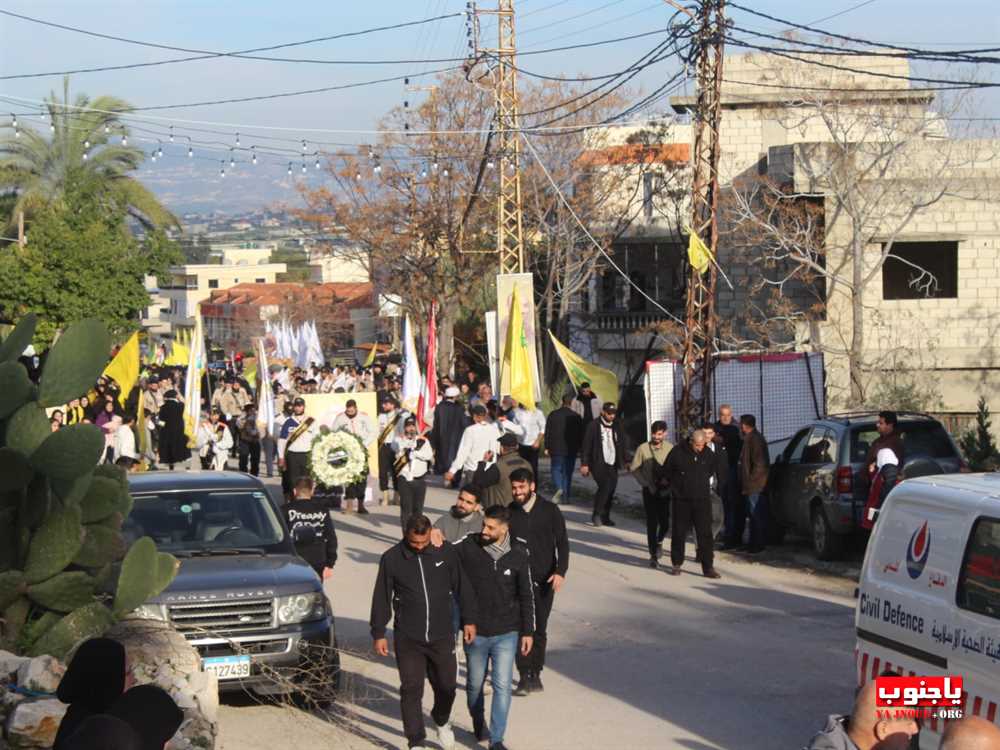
(254, 610)
(929, 592)
(818, 485)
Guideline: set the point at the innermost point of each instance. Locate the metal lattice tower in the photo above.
(701, 322)
(510, 236)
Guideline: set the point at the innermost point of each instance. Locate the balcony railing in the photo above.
(628, 322)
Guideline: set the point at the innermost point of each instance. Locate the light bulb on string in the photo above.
(222, 168)
(159, 151)
(303, 167)
(153, 156)
(378, 168)
(444, 172)
(17, 133)
(124, 139)
(237, 139)
(253, 155)
(289, 167)
(317, 162)
(371, 154)
(434, 166)
(232, 160)
(423, 172)
(490, 164)
(85, 156)
(52, 126)
(13, 120)
(107, 128)
(190, 152)
(358, 176)
(171, 133)
(304, 147)
(86, 143)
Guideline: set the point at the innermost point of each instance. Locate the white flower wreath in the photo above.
(338, 459)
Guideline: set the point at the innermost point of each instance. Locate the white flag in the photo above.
(411, 372)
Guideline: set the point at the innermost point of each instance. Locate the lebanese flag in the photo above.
(428, 391)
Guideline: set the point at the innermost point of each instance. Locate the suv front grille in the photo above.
(221, 618)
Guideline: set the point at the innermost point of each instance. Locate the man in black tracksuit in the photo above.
(311, 529)
(540, 523)
(692, 470)
(417, 581)
(500, 573)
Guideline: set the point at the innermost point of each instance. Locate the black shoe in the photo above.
(608, 522)
(536, 683)
(524, 685)
(595, 521)
(362, 508)
(697, 556)
(653, 562)
(498, 746)
(479, 729)
(659, 551)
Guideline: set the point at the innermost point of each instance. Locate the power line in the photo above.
(207, 54)
(821, 32)
(595, 26)
(561, 21)
(860, 71)
(241, 127)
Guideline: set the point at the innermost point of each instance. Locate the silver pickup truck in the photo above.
(255, 611)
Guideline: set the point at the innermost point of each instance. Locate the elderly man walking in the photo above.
(691, 469)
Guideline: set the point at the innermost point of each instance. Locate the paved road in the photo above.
(637, 658)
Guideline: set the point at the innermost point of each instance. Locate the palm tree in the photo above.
(89, 135)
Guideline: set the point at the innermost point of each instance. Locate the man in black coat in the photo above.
(311, 528)
(499, 570)
(540, 523)
(563, 438)
(173, 441)
(450, 422)
(415, 581)
(692, 470)
(603, 456)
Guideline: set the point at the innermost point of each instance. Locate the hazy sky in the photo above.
(226, 26)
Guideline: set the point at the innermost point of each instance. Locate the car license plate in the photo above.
(227, 667)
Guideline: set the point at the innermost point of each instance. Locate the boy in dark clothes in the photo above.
(311, 529)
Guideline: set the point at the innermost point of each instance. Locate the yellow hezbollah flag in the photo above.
(699, 256)
(371, 355)
(516, 359)
(124, 368)
(179, 355)
(603, 382)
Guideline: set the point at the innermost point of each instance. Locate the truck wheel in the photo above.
(827, 544)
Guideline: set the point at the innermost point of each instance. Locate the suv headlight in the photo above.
(301, 608)
(150, 612)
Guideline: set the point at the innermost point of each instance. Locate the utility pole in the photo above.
(510, 236)
(701, 317)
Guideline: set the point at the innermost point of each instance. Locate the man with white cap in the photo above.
(449, 424)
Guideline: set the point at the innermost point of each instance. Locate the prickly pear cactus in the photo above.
(65, 574)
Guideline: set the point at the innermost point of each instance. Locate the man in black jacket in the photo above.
(416, 580)
(498, 569)
(311, 529)
(692, 470)
(603, 456)
(540, 523)
(563, 437)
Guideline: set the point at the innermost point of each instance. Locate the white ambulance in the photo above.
(929, 595)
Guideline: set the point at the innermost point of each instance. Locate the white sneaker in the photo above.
(446, 737)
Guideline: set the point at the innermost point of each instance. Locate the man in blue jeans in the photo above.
(499, 575)
(563, 436)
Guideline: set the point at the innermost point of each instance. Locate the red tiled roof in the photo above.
(350, 295)
(635, 153)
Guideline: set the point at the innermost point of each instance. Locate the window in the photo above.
(821, 447)
(793, 453)
(979, 583)
(260, 281)
(213, 283)
(921, 270)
